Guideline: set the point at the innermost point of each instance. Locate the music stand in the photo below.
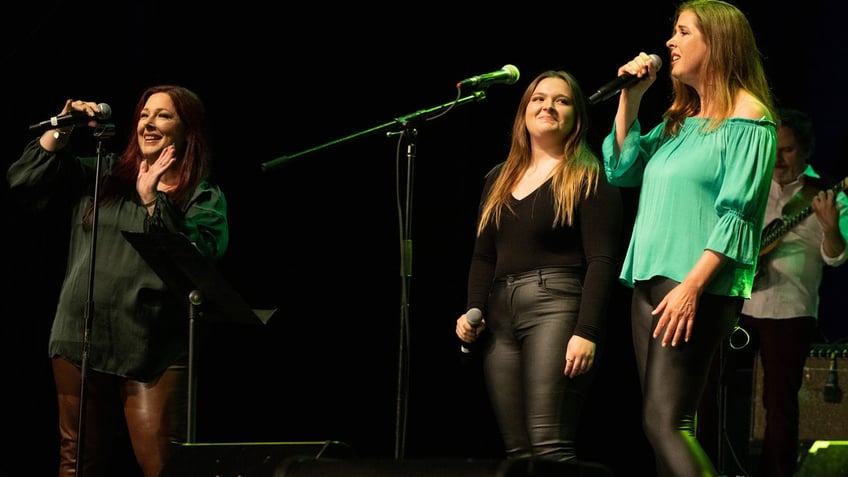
(191, 275)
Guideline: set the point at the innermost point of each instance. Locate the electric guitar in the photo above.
(777, 228)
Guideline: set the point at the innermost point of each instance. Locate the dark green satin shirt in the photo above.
(138, 326)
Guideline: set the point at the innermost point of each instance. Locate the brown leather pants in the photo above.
(155, 414)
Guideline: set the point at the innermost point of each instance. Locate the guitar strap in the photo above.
(815, 184)
(802, 199)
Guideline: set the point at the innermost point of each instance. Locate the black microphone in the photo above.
(474, 317)
(508, 74)
(832, 392)
(612, 88)
(104, 111)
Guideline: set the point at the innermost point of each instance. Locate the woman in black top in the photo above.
(543, 268)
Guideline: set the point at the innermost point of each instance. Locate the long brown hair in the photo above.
(575, 177)
(733, 63)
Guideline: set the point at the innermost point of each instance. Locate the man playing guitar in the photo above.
(807, 229)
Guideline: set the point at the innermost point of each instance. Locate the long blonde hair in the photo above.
(733, 63)
(575, 178)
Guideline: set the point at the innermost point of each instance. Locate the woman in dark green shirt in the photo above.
(138, 342)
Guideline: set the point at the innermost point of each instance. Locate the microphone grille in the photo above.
(657, 61)
(105, 111)
(474, 316)
(514, 74)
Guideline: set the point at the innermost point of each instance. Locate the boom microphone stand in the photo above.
(739, 338)
(101, 133)
(405, 127)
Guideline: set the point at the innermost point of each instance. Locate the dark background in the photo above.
(318, 238)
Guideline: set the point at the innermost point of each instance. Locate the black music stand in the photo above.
(191, 275)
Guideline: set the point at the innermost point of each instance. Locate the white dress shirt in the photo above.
(788, 277)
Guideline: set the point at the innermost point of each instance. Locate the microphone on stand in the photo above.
(509, 74)
(104, 111)
(832, 392)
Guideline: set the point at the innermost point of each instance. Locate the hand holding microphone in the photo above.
(468, 327)
(640, 64)
(75, 112)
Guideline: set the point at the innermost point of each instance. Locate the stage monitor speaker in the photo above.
(825, 459)
(295, 467)
(246, 459)
(824, 412)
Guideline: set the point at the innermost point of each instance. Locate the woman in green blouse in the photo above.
(704, 175)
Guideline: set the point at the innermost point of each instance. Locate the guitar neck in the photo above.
(780, 227)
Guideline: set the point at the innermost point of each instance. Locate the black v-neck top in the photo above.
(527, 240)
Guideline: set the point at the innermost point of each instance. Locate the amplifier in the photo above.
(823, 409)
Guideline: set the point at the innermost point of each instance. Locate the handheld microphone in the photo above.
(104, 111)
(474, 317)
(612, 88)
(508, 75)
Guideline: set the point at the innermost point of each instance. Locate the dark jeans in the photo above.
(155, 414)
(531, 317)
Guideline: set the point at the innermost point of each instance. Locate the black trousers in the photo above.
(673, 378)
(531, 317)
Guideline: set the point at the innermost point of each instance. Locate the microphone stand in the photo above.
(404, 127)
(402, 121)
(101, 132)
